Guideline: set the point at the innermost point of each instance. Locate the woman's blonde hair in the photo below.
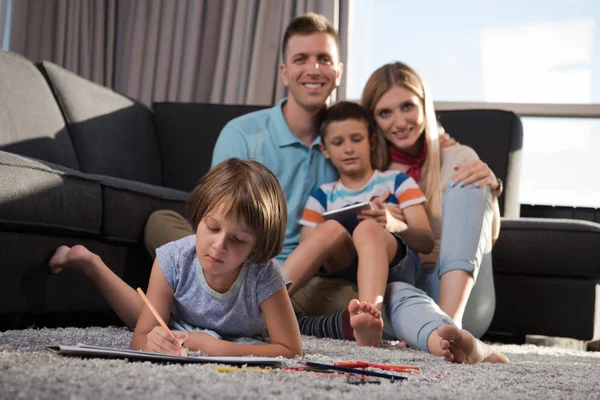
(400, 74)
(251, 191)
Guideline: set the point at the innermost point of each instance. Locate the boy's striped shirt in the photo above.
(403, 189)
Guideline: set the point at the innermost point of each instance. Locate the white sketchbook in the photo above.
(83, 350)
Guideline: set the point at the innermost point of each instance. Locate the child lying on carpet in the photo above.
(220, 288)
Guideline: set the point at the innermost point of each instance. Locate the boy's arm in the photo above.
(281, 324)
(312, 215)
(417, 235)
(415, 229)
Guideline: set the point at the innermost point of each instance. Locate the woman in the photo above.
(463, 210)
(453, 180)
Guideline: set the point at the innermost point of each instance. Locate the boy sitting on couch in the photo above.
(372, 253)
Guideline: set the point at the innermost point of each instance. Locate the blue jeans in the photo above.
(411, 312)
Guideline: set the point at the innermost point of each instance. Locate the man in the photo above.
(285, 138)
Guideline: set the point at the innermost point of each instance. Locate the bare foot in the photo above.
(460, 346)
(77, 257)
(366, 322)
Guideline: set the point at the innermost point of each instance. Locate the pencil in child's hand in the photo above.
(157, 316)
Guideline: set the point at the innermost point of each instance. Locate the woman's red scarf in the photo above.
(414, 162)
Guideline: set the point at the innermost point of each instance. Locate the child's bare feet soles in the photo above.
(460, 346)
(66, 257)
(366, 322)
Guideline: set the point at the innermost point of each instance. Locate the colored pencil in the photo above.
(355, 371)
(157, 316)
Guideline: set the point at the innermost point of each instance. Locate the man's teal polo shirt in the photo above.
(264, 136)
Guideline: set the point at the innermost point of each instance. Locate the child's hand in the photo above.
(159, 340)
(207, 344)
(396, 211)
(378, 210)
(388, 216)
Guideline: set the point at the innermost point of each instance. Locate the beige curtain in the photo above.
(168, 50)
(76, 34)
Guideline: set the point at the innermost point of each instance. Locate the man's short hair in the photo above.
(342, 111)
(309, 24)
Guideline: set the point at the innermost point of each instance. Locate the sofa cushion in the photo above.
(187, 134)
(38, 196)
(31, 122)
(112, 134)
(497, 137)
(548, 247)
(128, 204)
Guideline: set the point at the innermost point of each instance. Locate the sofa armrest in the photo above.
(552, 247)
(126, 206)
(38, 195)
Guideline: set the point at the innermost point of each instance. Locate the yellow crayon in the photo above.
(238, 369)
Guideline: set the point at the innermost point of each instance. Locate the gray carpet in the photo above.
(28, 371)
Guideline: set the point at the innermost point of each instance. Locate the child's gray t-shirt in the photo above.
(235, 313)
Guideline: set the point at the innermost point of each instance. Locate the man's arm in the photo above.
(231, 143)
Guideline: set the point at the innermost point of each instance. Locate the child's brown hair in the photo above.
(342, 111)
(252, 192)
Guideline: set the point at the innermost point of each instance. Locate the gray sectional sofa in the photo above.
(80, 163)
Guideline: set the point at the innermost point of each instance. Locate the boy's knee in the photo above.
(331, 229)
(369, 230)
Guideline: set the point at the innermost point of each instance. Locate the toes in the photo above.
(444, 344)
(375, 312)
(57, 259)
(59, 255)
(449, 332)
(459, 355)
(364, 306)
(353, 306)
(448, 356)
(55, 270)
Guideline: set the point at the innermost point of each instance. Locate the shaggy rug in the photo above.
(29, 371)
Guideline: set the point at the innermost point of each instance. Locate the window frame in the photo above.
(527, 109)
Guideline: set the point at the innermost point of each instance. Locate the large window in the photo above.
(539, 58)
(5, 12)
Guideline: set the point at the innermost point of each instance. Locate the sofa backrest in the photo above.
(187, 134)
(112, 134)
(497, 137)
(31, 123)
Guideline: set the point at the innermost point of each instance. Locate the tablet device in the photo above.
(347, 216)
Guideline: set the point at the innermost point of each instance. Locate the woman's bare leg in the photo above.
(121, 297)
(455, 289)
